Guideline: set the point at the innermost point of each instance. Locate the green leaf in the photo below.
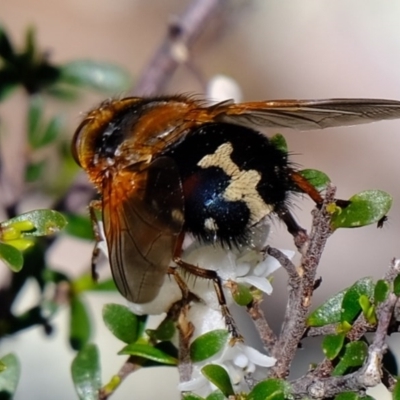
(280, 142)
(165, 331)
(208, 344)
(165, 347)
(365, 208)
(35, 115)
(85, 283)
(79, 328)
(396, 285)
(100, 76)
(63, 92)
(242, 295)
(368, 309)
(396, 390)
(149, 353)
(347, 396)
(381, 292)
(79, 226)
(11, 256)
(317, 178)
(217, 395)
(332, 344)
(354, 356)
(49, 134)
(106, 286)
(46, 222)
(9, 377)
(121, 322)
(351, 305)
(327, 313)
(270, 389)
(34, 171)
(86, 373)
(192, 396)
(218, 377)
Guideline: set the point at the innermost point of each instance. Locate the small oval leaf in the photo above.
(165, 331)
(10, 375)
(270, 389)
(149, 353)
(317, 178)
(79, 324)
(347, 396)
(218, 377)
(354, 356)
(46, 222)
(192, 396)
(208, 344)
(79, 226)
(368, 309)
(11, 256)
(217, 395)
(332, 344)
(365, 208)
(86, 373)
(96, 75)
(381, 292)
(121, 322)
(328, 312)
(396, 285)
(280, 142)
(351, 305)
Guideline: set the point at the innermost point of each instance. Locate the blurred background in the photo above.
(274, 50)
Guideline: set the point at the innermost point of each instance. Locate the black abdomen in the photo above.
(232, 177)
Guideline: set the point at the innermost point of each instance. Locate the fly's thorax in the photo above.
(124, 133)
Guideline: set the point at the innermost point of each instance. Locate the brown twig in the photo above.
(181, 36)
(265, 332)
(301, 289)
(285, 262)
(132, 364)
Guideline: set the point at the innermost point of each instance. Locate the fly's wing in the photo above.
(308, 114)
(143, 217)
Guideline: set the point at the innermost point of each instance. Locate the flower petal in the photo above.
(256, 357)
(193, 385)
(260, 283)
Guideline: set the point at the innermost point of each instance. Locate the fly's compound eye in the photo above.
(78, 141)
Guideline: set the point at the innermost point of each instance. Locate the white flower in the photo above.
(221, 87)
(247, 265)
(238, 360)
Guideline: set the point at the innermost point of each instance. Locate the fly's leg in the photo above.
(214, 277)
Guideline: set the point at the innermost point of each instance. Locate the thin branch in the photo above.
(132, 364)
(265, 332)
(173, 51)
(301, 290)
(285, 262)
